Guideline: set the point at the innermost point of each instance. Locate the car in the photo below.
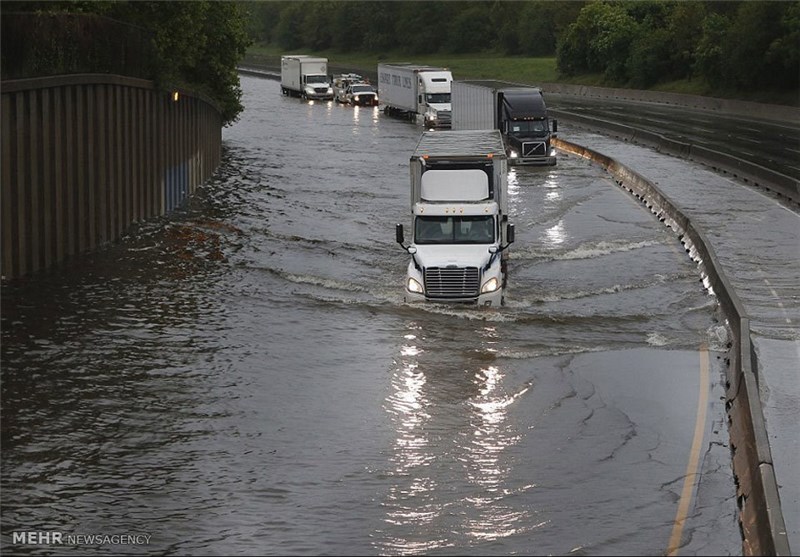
(341, 83)
(361, 94)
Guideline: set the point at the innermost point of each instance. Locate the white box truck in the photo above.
(420, 93)
(306, 77)
(459, 208)
(518, 111)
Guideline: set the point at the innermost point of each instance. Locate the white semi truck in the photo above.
(460, 231)
(420, 93)
(518, 111)
(305, 76)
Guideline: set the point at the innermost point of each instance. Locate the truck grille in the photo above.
(534, 149)
(320, 90)
(445, 117)
(451, 282)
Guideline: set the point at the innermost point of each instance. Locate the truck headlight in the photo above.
(513, 154)
(330, 90)
(414, 286)
(489, 286)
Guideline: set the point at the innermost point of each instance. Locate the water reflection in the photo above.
(555, 235)
(452, 461)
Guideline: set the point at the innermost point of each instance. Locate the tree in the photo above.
(420, 26)
(598, 41)
(783, 52)
(470, 29)
(708, 56)
(746, 46)
(287, 31)
(199, 45)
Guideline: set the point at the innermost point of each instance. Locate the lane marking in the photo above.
(692, 474)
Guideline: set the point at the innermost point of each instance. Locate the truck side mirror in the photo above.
(398, 234)
(555, 126)
(510, 233)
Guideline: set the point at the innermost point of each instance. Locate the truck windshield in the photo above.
(454, 230)
(363, 89)
(528, 127)
(316, 79)
(437, 98)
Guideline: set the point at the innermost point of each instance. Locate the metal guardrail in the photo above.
(761, 517)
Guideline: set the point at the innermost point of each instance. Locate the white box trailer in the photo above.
(518, 111)
(418, 92)
(305, 76)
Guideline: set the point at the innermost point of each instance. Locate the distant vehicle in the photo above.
(306, 77)
(361, 94)
(518, 111)
(417, 92)
(341, 83)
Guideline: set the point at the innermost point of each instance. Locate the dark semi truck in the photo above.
(518, 111)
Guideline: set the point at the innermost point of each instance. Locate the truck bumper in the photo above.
(491, 299)
(533, 161)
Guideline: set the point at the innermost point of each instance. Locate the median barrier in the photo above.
(760, 516)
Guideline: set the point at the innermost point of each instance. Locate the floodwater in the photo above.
(243, 376)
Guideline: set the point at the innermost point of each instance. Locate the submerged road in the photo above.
(243, 376)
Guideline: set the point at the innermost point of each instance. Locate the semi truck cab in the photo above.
(317, 87)
(456, 254)
(460, 230)
(434, 98)
(526, 127)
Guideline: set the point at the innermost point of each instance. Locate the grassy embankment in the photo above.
(506, 68)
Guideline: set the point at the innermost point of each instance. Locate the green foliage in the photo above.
(727, 44)
(196, 44)
(639, 43)
(709, 54)
(471, 28)
(783, 53)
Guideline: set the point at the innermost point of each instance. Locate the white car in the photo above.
(341, 83)
(361, 94)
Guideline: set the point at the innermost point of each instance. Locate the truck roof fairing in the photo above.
(520, 103)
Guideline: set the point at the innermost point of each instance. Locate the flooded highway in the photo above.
(771, 144)
(243, 377)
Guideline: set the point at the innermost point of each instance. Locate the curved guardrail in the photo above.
(761, 518)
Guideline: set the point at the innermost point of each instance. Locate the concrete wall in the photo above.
(86, 156)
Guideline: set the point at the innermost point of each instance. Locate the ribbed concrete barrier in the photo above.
(760, 516)
(85, 156)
